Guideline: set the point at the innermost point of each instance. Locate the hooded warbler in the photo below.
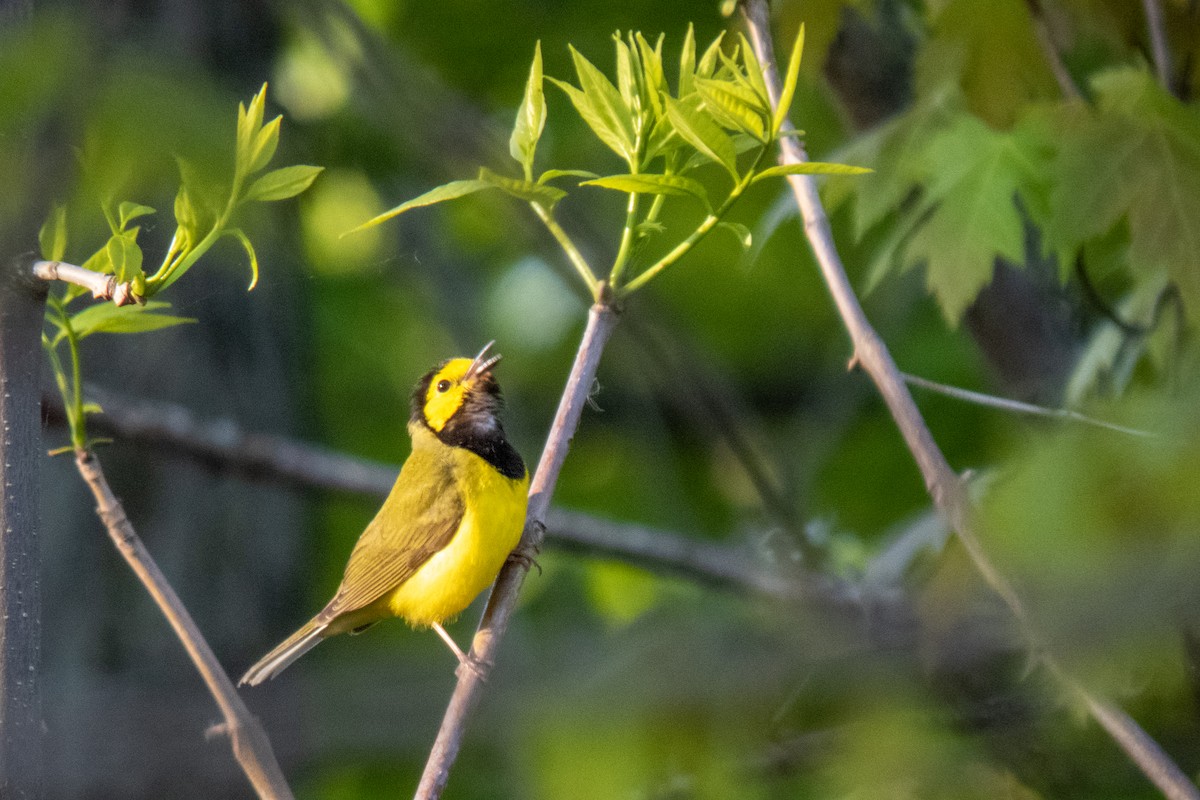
(451, 519)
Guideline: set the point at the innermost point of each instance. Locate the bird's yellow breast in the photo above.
(491, 527)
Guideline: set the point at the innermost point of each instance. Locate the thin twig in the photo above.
(601, 320)
(947, 491)
(251, 747)
(1156, 27)
(102, 287)
(1017, 406)
(1045, 38)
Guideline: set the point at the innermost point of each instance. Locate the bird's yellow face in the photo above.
(460, 398)
(446, 391)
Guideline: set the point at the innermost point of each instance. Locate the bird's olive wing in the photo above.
(418, 519)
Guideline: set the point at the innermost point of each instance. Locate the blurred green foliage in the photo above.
(615, 682)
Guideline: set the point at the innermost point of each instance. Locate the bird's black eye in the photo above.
(443, 385)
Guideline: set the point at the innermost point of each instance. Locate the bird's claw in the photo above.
(480, 667)
(525, 560)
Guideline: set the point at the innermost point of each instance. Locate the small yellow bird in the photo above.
(450, 521)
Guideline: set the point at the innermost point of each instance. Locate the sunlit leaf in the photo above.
(127, 212)
(626, 82)
(601, 106)
(810, 168)
(447, 191)
(652, 184)
(240, 235)
(540, 193)
(703, 134)
(595, 119)
(280, 184)
(531, 116)
(52, 238)
(248, 125)
(262, 148)
(789, 82)
(754, 70)
(687, 62)
(100, 261)
(109, 318)
(125, 255)
(654, 79)
(734, 106)
(708, 61)
(554, 174)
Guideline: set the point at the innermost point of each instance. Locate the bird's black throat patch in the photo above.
(475, 426)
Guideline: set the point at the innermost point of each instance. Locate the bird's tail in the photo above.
(288, 651)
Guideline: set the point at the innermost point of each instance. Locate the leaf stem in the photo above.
(71, 388)
(177, 262)
(573, 255)
(627, 238)
(706, 225)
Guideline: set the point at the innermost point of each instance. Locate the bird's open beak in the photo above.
(482, 364)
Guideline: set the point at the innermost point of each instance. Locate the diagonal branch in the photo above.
(947, 491)
(1156, 27)
(602, 319)
(251, 747)
(1045, 38)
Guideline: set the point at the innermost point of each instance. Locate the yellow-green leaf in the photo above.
(109, 318)
(789, 82)
(676, 185)
(531, 116)
(687, 62)
(52, 238)
(440, 194)
(811, 168)
(543, 194)
(127, 212)
(554, 174)
(698, 130)
(734, 106)
(241, 236)
(262, 149)
(125, 255)
(280, 184)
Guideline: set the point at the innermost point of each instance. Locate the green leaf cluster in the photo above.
(995, 160)
(203, 216)
(719, 114)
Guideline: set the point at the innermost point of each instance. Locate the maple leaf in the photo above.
(1135, 157)
(969, 209)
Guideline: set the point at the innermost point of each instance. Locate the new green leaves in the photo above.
(203, 216)
(531, 117)
(720, 114)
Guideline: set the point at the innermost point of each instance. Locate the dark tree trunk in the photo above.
(21, 309)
